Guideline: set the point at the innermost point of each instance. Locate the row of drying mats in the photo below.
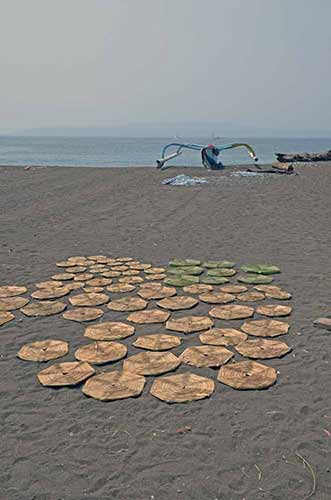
(147, 295)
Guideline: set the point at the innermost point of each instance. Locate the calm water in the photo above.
(112, 152)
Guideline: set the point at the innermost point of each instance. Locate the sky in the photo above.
(107, 63)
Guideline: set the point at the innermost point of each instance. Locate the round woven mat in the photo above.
(178, 303)
(274, 310)
(89, 299)
(50, 293)
(263, 349)
(251, 296)
(43, 350)
(157, 292)
(5, 317)
(265, 328)
(127, 304)
(217, 298)
(61, 374)
(247, 375)
(222, 336)
(83, 314)
(206, 356)
(114, 385)
(47, 308)
(12, 303)
(157, 342)
(11, 291)
(189, 324)
(121, 288)
(100, 352)
(109, 330)
(182, 388)
(149, 317)
(198, 289)
(231, 312)
(151, 363)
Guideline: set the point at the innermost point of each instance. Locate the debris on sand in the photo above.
(324, 323)
(262, 172)
(184, 180)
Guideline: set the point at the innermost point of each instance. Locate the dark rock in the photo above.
(306, 157)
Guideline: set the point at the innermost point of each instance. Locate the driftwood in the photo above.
(274, 171)
(284, 167)
(307, 157)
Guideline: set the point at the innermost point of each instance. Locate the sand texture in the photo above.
(60, 444)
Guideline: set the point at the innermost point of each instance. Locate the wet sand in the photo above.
(58, 444)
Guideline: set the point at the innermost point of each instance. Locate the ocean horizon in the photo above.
(134, 152)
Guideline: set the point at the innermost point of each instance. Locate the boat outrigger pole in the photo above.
(208, 153)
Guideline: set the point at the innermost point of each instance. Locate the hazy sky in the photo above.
(109, 62)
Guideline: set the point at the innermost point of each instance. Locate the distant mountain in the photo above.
(175, 129)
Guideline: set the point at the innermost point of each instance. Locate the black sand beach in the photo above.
(242, 445)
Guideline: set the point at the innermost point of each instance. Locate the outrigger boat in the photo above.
(209, 154)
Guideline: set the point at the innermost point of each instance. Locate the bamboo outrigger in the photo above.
(209, 154)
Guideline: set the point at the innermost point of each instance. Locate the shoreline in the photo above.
(175, 167)
(227, 167)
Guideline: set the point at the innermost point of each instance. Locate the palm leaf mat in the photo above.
(117, 298)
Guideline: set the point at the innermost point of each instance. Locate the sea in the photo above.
(135, 152)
